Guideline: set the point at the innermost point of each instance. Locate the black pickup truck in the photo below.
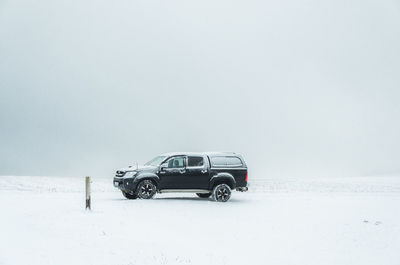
(206, 174)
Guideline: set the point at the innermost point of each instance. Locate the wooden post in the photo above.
(88, 193)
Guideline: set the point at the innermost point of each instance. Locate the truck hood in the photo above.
(139, 168)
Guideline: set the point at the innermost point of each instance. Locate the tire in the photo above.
(221, 193)
(129, 196)
(146, 189)
(204, 195)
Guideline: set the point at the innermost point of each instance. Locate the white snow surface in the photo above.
(285, 221)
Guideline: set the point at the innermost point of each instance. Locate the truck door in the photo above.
(174, 175)
(197, 173)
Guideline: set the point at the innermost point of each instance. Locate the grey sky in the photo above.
(300, 88)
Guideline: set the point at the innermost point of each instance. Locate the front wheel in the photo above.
(146, 189)
(221, 193)
(129, 196)
(204, 195)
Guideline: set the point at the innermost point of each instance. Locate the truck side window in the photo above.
(226, 161)
(195, 161)
(233, 161)
(218, 161)
(176, 162)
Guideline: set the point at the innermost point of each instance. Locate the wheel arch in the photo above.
(147, 176)
(222, 178)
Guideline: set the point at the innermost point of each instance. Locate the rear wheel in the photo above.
(221, 193)
(204, 195)
(146, 189)
(129, 196)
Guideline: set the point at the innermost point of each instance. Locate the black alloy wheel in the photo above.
(222, 193)
(146, 189)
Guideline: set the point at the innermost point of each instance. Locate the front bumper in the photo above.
(118, 183)
(121, 183)
(125, 184)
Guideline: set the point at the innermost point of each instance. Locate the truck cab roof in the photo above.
(199, 153)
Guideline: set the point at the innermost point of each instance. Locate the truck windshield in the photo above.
(155, 161)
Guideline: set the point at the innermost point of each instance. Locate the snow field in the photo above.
(311, 221)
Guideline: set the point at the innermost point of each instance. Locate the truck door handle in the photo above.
(182, 170)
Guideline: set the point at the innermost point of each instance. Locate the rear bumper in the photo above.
(242, 189)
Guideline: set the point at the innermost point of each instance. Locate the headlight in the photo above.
(130, 174)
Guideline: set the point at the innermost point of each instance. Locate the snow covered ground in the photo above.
(291, 221)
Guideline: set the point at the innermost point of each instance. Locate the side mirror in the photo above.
(163, 166)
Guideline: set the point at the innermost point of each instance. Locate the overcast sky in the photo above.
(300, 87)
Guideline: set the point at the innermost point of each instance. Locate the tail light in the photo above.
(247, 175)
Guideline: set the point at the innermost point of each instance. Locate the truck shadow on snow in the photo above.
(231, 200)
(182, 199)
(193, 199)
